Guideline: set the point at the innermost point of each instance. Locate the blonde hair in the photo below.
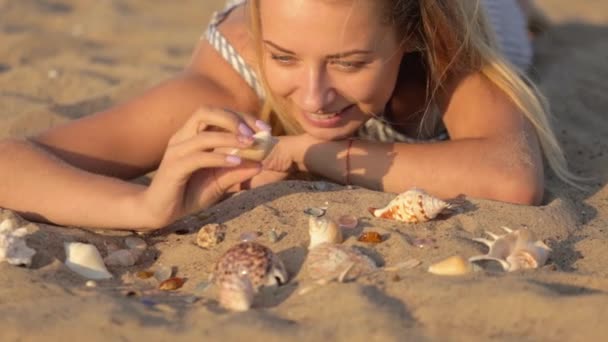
(454, 38)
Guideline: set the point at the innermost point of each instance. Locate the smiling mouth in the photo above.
(327, 116)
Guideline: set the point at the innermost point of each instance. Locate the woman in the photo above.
(351, 87)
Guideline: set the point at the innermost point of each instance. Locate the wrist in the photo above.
(137, 212)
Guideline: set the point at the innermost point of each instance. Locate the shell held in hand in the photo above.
(515, 250)
(412, 206)
(263, 143)
(243, 270)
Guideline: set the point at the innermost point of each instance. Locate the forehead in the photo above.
(334, 22)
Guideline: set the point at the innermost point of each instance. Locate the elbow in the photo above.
(524, 186)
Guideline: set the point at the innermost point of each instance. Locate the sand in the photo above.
(63, 59)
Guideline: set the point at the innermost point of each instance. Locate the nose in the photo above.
(316, 91)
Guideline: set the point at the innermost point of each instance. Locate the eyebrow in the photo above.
(336, 55)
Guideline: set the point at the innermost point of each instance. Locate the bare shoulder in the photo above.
(207, 61)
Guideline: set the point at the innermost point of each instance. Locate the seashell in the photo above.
(123, 257)
(84, 259)
(243, 270)
(412, 206)
(171, 284)
(91, 283)
(518, 249)
(323, 229)
(315, 212)
(348, 222)
(453, 266)
(144, 274)
(263, 142)
(329, 261)
(370, 237)
(425, 242)
(13, 248)
(133, 242)
(210, 235)
(163, 273)
(273, 236)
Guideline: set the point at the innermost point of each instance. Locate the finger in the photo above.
(184, 167)
(209, 141)
(227, 178)
(256, 124)
(221, 118)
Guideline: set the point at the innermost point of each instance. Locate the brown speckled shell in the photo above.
(412, 206)
(251, 260)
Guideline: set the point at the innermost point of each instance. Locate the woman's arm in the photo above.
(493, 153)
(67, 174)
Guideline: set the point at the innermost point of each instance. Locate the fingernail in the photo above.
(245, 140)
(245, 130)
(233, 159)
(263, 126)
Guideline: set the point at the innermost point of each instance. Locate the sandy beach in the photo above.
(63, 59)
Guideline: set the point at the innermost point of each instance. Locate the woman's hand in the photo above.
(191, 176)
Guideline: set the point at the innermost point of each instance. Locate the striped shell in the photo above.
(247, 267)
(518, 249)
(412, 206)
(329, 261)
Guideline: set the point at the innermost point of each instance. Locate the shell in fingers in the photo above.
(412, 206)
(329, 261)
(263, 143)
(247, 266)
(515, 250)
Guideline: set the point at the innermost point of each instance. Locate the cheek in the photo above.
(280, 80)
(371, 90)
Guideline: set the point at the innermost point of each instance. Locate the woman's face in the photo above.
(331, 62)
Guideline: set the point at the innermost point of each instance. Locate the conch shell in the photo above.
(518, 249)
(12, 244)
(243, 270)
(412, 206)
(323, 229)
(263, 142)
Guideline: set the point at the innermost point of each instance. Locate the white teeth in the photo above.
(323, 116)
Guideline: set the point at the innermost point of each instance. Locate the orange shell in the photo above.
(144, 274)
(370, 237)
(172, 284)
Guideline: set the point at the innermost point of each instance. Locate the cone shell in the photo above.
(330, 261)
(412, 206)
(323, 229)
(262, 145)
(517, 249)
(452, 266)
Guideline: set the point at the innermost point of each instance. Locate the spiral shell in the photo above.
(518, 249)
(323, 229)
(246, 267)
(412, 206)
(329, 261)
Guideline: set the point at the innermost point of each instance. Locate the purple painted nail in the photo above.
(244, 139)
(245, 130)
(263, 126)
(236, 160)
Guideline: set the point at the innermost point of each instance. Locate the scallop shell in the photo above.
(412, 206)
(85, 260)
(329, 261)
(518, 249)
(323, 229)
(452, 266)
(263, 142)
(13, 248)
(210, 235)
(247, 263)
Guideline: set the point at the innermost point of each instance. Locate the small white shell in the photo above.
(412, 206)
(210, 235)
(262, 145)
(245, 268)
(329, 261)
(13, 248)
(515, 250)
(323, 229)
(123, 257)
(85, 260)
(453, 266)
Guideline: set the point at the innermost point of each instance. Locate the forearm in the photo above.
(42, 187)
(467, 166)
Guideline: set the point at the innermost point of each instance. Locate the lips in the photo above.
(327, 120)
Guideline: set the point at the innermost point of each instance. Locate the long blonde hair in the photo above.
(454, 38)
